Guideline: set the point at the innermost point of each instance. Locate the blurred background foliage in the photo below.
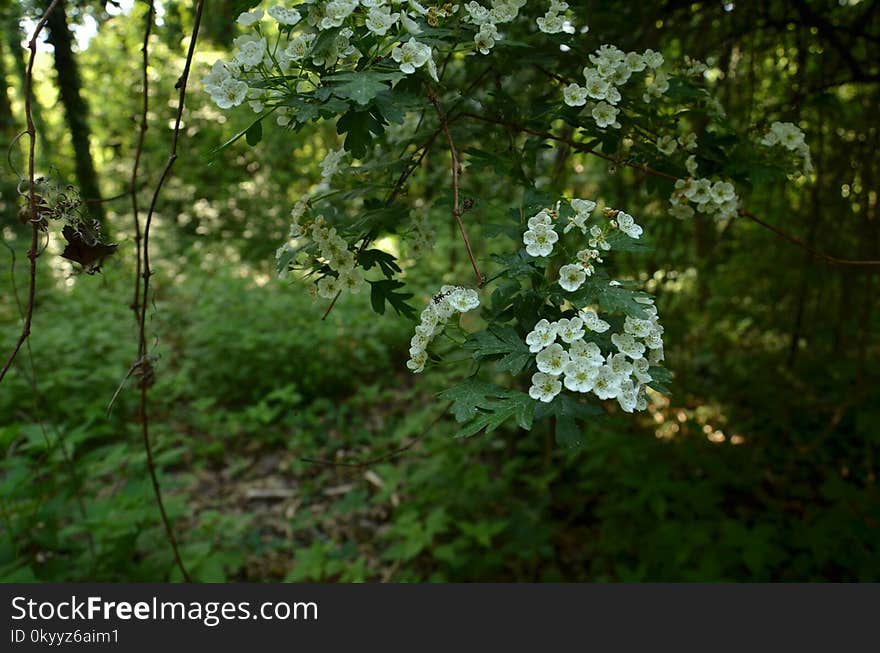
(760, 466)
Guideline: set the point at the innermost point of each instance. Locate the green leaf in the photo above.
(361, 86)
(617, 299)
(254, 133)
(660, 379)
(502, 341)
(481, 405)
(385, 290)
(467, 397)
(359, 127)
(620, 242)
(518, 406)
(386, 262)
(237, 136)
(567, 411)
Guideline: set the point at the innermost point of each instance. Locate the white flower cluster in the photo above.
(266, 70)
(541, 236)
(710, 198)
(329, 167)
(340, 259)
(582, 367)
(555, 21)
(333, 248)
(449, 301)
(611, 69)
(668, 144)
(487, 20)
(790, 136)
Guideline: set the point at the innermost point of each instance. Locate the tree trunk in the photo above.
(7, 133)
(12, 36)
(75, 109)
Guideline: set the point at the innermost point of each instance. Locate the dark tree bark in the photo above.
(7, 133)
(75, 109)
(12, 37)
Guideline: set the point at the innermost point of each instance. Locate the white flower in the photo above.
(484, 40)
(587, 353)
(635, 61)
(380, 20)
(352, 280)
(299, 47)
(464, 299)
(541, 218)
(628, 345)
(620, 365)
(580, 376)
(572, 276)
(251, 50)
(621, 74)
(688, 141)
(606, 384)
(640, 370)
(786, 134)
(552, 359)
(411, 55)
(477, 13)
(681, 211)
(544, 387)
(636, 327)
(230, 93)
(551, 23)
(336, 11)
(543, 335)
(652, 59)
(627, 398)
(722, 191)
(699, 191)
(570, 331)
(330, 163)
(584, 207)
(654, 340)
(593, 322)
(417, 361)
(248, 18)
(417, 7)
(410, 25)
(328, 287)
(574, 95)
(285, 16)
(627, 224)
(667, 144)
(540, 240)
(587, 256)
(596, 85)
(597, 238)
(605, 115)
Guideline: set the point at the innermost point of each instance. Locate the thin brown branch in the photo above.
(412, 166)
(589, 149)
(796, 241)
(456, 200)
(142, 132)
(143, 359)
(35, 219)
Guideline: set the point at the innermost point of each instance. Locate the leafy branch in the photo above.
(456, 171)
(590, 149)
